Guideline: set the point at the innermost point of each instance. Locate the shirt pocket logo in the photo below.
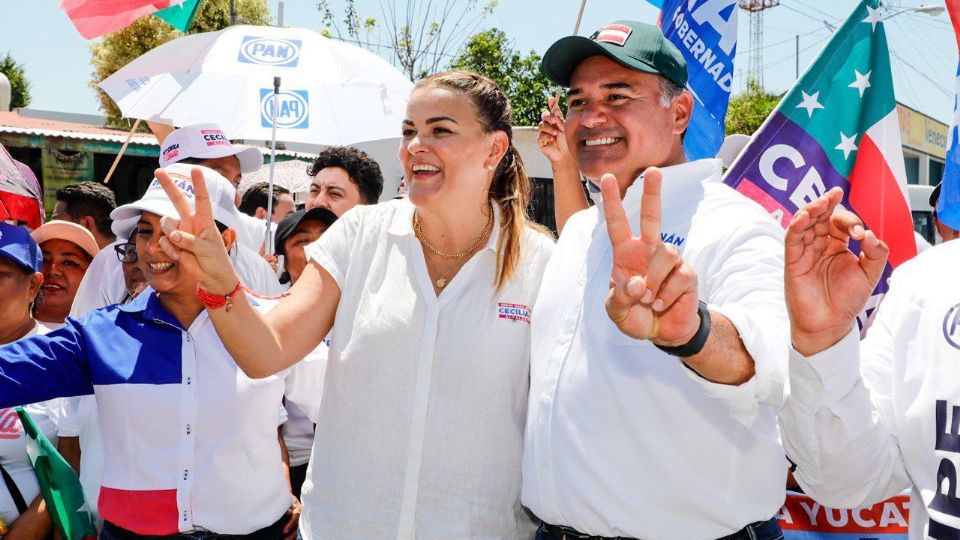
(513, 312)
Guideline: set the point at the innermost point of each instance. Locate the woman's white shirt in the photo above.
(420, 429)
(13, 447)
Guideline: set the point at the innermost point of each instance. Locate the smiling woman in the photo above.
(159, 357)
(67, 250)
(427, 301)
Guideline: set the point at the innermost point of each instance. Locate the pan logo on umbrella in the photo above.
(269, 51)
(293, 108)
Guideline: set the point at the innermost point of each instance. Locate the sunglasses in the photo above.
(126, 252)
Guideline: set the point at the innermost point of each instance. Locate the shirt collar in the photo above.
(677, 179)
(402, 222)
(148, 305)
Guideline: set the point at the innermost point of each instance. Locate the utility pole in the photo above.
(756, 9)
(797, 55)
(233, 13)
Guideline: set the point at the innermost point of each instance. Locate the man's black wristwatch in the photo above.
(696, 343)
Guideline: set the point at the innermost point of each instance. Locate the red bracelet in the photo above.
(216, 301)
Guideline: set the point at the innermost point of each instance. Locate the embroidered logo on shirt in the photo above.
(951, 326)
(670, 238)
(9, 424)
(513, 312)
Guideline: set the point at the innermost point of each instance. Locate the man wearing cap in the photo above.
(657, 416)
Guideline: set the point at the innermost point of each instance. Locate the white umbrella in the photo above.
(331, 93)
(266, 83)
(291, 174)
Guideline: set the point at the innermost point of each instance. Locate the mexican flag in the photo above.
(59, 485)
(837, 127)
(94, 18)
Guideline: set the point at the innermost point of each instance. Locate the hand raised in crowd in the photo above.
(654, 293)
(552, 139)
(193, 240)
(826, 284)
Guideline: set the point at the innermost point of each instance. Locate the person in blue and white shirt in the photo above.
(190, 442)
(867, 419)
(22, 512)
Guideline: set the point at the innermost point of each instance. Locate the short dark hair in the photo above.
(256, 197)
(90, 199)
(363, 170)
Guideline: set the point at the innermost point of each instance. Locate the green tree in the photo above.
(417, 36)
(119, 48)
(19, 85)
(748, 110)
(490, 54)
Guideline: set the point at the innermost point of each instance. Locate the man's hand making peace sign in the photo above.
(654, 294)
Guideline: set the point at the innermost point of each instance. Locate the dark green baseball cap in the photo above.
(636, 45)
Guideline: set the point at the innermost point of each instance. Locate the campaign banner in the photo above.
(61, 168)
(803, 518)
(837, 127)
(948, 208)
(705, 31)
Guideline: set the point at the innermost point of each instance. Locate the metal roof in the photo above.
(12, 122)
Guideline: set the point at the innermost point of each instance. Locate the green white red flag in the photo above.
(94, 18)
(837, 126)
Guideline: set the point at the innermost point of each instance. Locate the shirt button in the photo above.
(188, 381)
(188, 429)
(188, 338)
(186, 474)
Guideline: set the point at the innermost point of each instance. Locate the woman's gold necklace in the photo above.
(442, 280)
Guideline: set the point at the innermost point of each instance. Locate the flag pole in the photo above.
(273, 158)
(576, 30)
(123, 149)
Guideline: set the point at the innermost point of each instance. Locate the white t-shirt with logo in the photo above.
(420, 429)
(13, 448)
(867, 419)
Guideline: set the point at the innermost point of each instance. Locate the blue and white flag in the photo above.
(948, 207)
(705, 31)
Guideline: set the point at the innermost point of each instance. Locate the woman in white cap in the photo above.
(67, 250)
(22, 514)
(428, 300)
(190, 443)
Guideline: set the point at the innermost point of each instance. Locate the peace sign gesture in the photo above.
(654, 293)
(193, 240)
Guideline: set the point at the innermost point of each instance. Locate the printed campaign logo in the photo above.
(269, 51)
(951, 326)
(9, 424)
(293, 108)
(171, 152)
(214, 137)
(183, 182)
(513, 312)
(616, 34)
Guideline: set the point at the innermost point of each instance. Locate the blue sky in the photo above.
(57, 59)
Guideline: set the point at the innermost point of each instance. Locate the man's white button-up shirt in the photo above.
(625, 440)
